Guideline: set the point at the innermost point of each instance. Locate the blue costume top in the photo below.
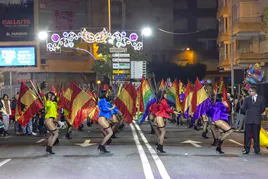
(104, 109)
(115, 110)
(220, 112)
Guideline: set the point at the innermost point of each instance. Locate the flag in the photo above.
(78, 103)
(126, 102)
(148, 98)
(95, 112)
(28, 105)
(53, 90)
(173, 96)
(187, 101)
(139, 100)
(162, 85)
(201, 103)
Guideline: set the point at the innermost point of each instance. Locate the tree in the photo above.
(265, 19)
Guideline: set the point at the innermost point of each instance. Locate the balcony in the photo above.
(237, 1)
(247, 56)
(222, 37)
(264, 46)
(223, 11)
(247, 24)
(224, 64)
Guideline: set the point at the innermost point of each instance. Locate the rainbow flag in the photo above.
(162, 85)
(201, 103)
(187, 101)
(173, 96)
(148, 98)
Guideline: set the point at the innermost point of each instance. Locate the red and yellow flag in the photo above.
(126, 102)
(28, 105)
(78, 103)
(162, 85)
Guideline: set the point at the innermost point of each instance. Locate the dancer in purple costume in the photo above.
(220, 120)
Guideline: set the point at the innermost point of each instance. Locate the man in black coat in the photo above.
(254, 106)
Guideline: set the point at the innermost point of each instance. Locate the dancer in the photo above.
(104, 115)
(220, 118)
(51, 115)
(161, 113)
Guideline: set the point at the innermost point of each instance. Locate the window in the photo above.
(226, 51)
(207, 44)
(181, 4)
(181, 24)
(209, 23)
(206, 4)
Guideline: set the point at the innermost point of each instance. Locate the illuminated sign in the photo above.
(22, 56)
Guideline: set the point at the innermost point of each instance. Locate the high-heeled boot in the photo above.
(102, 149)
(214, 142)
(204, 135)
(218, 149)
(49, 150)
(160, 148)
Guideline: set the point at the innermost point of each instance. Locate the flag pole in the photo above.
(38, 95)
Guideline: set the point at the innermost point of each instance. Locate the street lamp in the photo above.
(188, 49)
(147, 32)
(42, 35)
(98, 82)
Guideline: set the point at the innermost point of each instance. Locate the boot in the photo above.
(160, 149)
(56, 142)
(68, 136)
(49, 150)
(113, 136)
(102, 149)
(204, 135)
(109, 142)
(218, 149)
(214, 142)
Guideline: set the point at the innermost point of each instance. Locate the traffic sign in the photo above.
(121, 72)
(121, 65)
(138, 69)
(120, 55)
(121, 77)
(121, 60)
(118, 50)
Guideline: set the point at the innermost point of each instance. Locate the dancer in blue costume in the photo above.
(220, 119)
(104, 115)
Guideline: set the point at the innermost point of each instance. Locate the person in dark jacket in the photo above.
(254, 107)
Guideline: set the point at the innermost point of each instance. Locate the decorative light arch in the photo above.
(119, 39)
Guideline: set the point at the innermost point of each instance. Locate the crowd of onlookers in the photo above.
(7, 118)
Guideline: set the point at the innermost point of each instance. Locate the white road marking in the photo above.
(86, 143)
(41, 140)
(236, 142)
(194, 143)
(161, 168)
(4, 162)
(144, 160)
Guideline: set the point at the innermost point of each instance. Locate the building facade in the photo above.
(241, 37)
(196, 28)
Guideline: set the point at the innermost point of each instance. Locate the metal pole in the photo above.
(109, 15)
(10, 82)
(232, 51)
(123, 14)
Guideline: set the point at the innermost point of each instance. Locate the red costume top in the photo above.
(163, 109)
(153, 108)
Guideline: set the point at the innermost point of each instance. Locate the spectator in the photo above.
(13, 110)
(6, 111)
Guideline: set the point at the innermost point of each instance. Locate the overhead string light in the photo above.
(183, 33)
(67, 39)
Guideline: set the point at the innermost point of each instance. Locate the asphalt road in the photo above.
(133, 156)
